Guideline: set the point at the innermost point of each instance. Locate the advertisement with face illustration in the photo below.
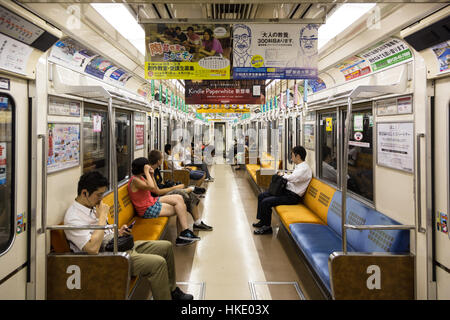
(262, 51)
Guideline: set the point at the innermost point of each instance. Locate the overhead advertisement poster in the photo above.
(224, 92)
(442, 52)
(280, 51)
(380, 56)
(183, 51)
(73, 55)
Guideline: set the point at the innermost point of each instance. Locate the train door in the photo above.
(220, 138)
(441, 190)
(14, 190)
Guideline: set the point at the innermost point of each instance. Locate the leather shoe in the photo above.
(263, 230)
(258, 224)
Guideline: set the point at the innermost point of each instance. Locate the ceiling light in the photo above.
(123, 21)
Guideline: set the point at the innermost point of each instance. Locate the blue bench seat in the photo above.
(317, 241)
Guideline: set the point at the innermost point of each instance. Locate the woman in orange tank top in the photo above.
(140, 187)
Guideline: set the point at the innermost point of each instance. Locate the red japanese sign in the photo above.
(225, 92)
(139, 136)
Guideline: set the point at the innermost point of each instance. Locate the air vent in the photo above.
(434, 34)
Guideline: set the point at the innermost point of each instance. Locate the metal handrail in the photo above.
(44, 183)
(83, 227)
(113, 162)
(419, 186)
(380, 227)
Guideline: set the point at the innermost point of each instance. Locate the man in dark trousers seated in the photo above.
(297, 183)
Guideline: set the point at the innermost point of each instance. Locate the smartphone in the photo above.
(131, 225)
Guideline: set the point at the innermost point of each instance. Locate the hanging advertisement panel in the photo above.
(280, 51)
(224, 92)
(182, 51)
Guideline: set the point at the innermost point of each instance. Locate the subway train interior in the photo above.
(348, 101)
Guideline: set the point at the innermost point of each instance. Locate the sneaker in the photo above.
(263, 230)
(188, 235)
(202, 226)
(177, 294)
(258, 224)
(182, 242)
(211, 179)
(198, 190)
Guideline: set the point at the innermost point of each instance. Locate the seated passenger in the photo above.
(151, 259)
(140, 186)
(191, 201)
(196, 175)
(297, 183)
(197, 161)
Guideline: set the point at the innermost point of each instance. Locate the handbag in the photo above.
(277, 185)
(124, 243)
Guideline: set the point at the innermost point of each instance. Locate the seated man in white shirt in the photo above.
(297, 183)
(151, 259)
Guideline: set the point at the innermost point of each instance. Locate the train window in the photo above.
(6, 172)
(328, 147)
(123, 144)
(149, 134)
(298, 130)
(95, 141)
(269, 136)
(289, 137)
(156, 133)
(360, 154)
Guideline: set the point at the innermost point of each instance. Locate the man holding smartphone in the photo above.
(151, 259)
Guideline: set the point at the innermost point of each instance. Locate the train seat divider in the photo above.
(315, 227)
(261, 173)
(182, 175)
(105, 275)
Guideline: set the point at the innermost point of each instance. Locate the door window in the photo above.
(95, 141)
(123, 144)
(328, 147)
(360, 153)
(7, 123)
